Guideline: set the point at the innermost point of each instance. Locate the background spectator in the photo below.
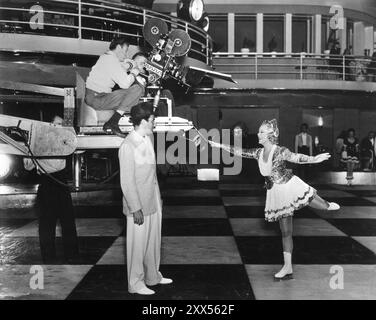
(348, 63)
(339, 147)
(367, 151)
(371, 69)
(335, 60)
(350, 154)
(303, 144)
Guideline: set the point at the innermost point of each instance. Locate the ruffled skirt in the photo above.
(283, 199)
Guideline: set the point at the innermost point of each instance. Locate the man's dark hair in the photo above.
(119, 41)
(141, 111)
(139, 54)
(303, 125)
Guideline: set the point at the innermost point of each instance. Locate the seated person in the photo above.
(104, 75)
(367, 151)
(350, 154)
(338, 150)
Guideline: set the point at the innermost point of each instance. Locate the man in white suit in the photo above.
(142, 203)
(303, 141)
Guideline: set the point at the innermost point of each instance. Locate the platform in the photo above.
(339, 177)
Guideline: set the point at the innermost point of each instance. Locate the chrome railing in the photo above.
(95, 20)
(295, 66)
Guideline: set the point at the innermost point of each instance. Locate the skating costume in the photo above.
(286, 192)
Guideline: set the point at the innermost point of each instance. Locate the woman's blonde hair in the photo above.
(273, 133)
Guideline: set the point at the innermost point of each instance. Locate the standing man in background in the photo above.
(303, 145)
(105, 74)
(54, 202)
(303, 141)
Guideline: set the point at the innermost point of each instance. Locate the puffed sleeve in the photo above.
(287, 155)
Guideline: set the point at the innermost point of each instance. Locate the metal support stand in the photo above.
(69, 104)
(77, 170)
(156, 99)
(169, 109)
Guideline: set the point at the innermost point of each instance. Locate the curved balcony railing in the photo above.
(95, 20)
(296, 66)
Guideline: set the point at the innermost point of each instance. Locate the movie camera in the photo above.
(162, 60)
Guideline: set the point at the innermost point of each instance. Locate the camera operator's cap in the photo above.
(153, 30)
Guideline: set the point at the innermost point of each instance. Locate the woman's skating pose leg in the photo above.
(321, 204)
(285, 225)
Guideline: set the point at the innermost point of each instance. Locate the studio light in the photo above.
(5, 165)
(190, 10)
(320, 121)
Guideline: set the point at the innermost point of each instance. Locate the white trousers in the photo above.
(144, 251)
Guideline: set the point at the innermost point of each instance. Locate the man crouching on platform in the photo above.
(104, 75)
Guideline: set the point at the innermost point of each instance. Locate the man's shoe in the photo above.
(113, 128)
(145, 291)
(112, 125)
(165, 281)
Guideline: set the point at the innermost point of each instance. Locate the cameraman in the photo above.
(104, 75)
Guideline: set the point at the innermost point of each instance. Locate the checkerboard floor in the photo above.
(215, 245)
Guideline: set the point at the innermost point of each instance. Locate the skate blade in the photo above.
(284, 278)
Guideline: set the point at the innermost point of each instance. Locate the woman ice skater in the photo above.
(286, 192)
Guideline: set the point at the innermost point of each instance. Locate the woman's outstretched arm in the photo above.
(244, 153)
(302, 158)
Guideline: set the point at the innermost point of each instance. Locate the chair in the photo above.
(367, 163)
(87, 116)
